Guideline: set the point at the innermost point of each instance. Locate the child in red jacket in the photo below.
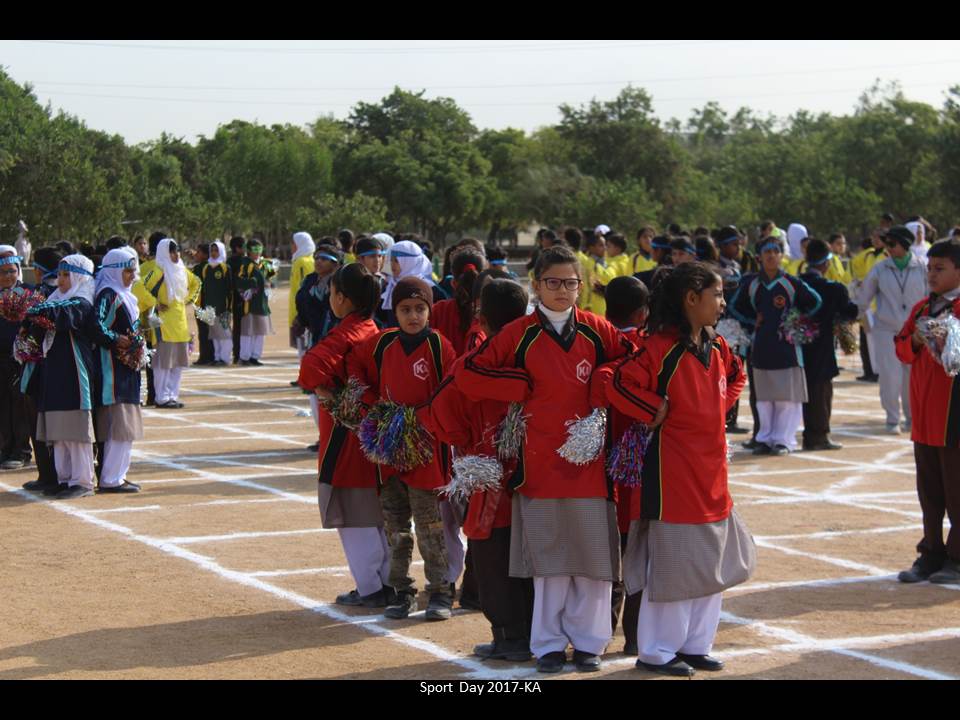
(347, 480)
(935, 398)
(687, 545)
(405, 365)
(564, 532)
(471, 427)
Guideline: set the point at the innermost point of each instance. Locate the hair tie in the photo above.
(469, 266)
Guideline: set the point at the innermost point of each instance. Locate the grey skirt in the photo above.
(788, 385)
(171, 355)
(349, 507)
(254, 325)
(120, 423)
(65, 426)
(674, 561)
(564, 537)
(219, 332)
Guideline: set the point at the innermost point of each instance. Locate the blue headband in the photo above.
(660, 245)
(46, 272)
(771, 244)
(127, 265)
(401, 253)
(325, 256)
(74, 269)
(12, 260)
(368, 253)
(688, 248)
(728, 240)
(498, 262)
(826, 259)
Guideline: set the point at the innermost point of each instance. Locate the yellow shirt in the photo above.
(298, 271)
(835, 271)
(141, 294)
(621, 265)
(153, 291)
(642, 264)
(862, 263)
(590, 299)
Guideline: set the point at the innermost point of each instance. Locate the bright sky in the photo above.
(187, 88)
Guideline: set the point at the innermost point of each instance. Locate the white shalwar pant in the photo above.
(116, 463)
(166, 382)
(894, 377)
(570, 610)
(779, 422)
(315, 409)
(223, 350)
(685, 626)
(74, 462)
(451, 535)
(368, 557)
(251, 347)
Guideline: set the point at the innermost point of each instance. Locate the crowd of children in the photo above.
(425, 378)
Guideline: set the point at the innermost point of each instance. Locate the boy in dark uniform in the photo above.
(819, 356)
(236, 260)
(253, 282)
(203, 330)
(216, 291)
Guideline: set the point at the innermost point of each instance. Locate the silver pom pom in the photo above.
(470, 474)
(207, 315)
(942, 335)
(585, 438)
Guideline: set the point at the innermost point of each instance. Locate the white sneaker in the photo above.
(893, 429)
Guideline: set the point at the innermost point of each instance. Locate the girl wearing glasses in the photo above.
(564, 527)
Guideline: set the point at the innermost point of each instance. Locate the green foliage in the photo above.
(329, 214)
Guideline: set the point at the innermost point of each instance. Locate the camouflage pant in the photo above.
(401, 502)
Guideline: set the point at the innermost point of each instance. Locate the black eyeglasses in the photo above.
(567, 284)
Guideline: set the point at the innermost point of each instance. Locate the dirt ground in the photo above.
(219, 568)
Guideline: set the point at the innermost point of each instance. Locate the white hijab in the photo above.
(174, 274)
(81, 286)
(305, 245)
(6, 250)
(386, 242)
(111, 276)
(795, 235)
(413, 263)
(223, 254)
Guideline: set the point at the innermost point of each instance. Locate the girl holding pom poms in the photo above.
(687, 544)
(347, 480)
(564, 526)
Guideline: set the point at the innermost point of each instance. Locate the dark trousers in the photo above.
(468, 585)
(42, 453)
(816, 412)
(629, 603)
(237, 321)
(938, 486)
(206, 344)
(14, 415)
(753, 396)
(151, 391)
(865, 354)
(507, 602)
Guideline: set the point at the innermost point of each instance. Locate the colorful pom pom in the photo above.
(345, 407)
(390, 434)
(798, 329)
(625, 463)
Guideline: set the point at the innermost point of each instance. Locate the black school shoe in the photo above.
(827, 445)
(42, 485)
(949, 574)
(378, 599)
(586, 662)
(778, 450)
(737, 430)
(760, 448)
(439, 607)
(701, 662)
(254, 361)
(552, 662)
(511, 650)
(74, 491)
(124, 488)
(54, 490)
(674, 668)
(405, 603)
(923, 567)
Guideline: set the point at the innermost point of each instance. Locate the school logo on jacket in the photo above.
(420, 369)
(723, 386)
(583, 371)
(780, 302)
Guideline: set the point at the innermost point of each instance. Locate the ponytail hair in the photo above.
(359, 286)
(466, 265)
(670, 287)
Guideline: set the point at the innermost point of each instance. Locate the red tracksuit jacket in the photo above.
(934, 395)
(406, 369)
(341, 462)
(470, 427)
(550, 374)
(627, 499)
(445, 319)
(684, 477)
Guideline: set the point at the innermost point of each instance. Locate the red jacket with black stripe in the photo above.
(528, 362)
(445, 318)
(627, 499)
(471, 427)
(341, 462)
(934, 395)
(684, 476)
(406, 369)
